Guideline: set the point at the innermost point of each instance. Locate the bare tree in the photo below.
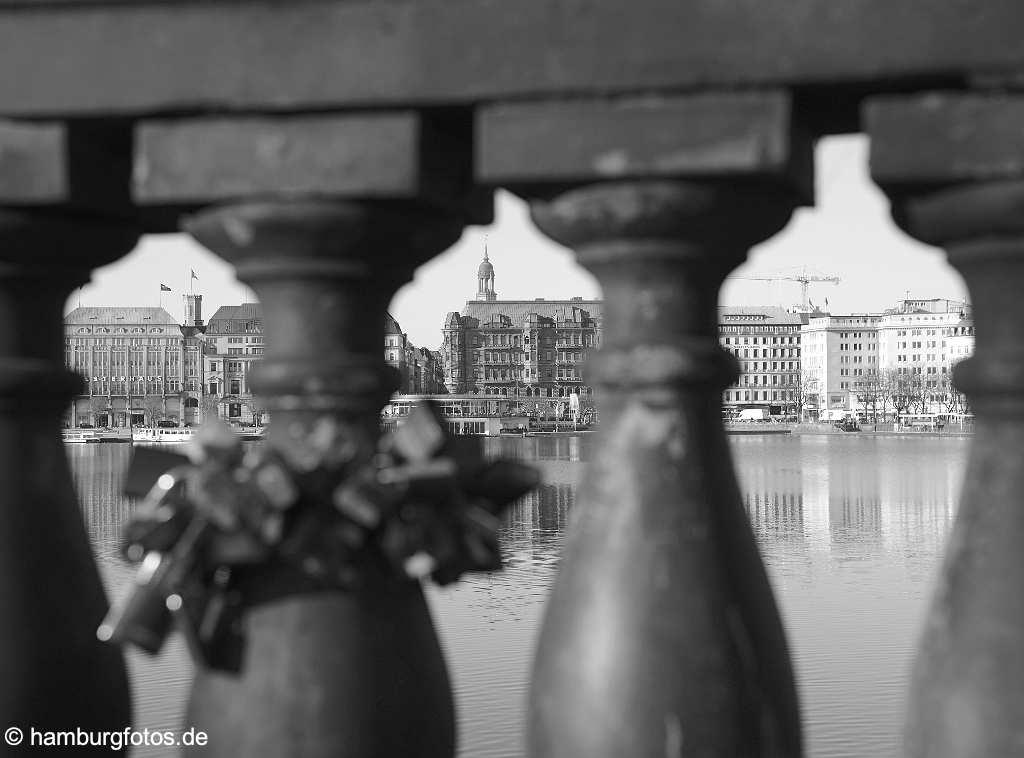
(805, 393)
(870, 389)
(153, 405)
(899, 391)
(951, 398)
(920, 390)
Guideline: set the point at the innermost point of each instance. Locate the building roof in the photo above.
(391, 326)
(119, 314)
(519, 310)
(759, 314)
(237, 312)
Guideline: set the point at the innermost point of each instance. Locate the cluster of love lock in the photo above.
(426, 504)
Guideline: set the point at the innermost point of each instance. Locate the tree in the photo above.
(871, 393)
(951, 398)
(919, 390)
(153, 406)
(805, 393)
(899, 390)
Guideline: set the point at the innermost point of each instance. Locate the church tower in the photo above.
(485, 279)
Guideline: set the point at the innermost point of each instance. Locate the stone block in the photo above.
(83, 165)
(33, 163)
(394, 155)
(719, 135)
(148, 57)
(943, 138)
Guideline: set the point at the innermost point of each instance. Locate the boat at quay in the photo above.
(493, 417)
(114, 434)
(159, 435)
(102, 434)
(149, 435)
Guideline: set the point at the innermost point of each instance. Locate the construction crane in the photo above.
(804, 278)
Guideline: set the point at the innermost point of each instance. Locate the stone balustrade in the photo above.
(326, 149)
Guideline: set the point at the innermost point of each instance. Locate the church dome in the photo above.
(486, 269)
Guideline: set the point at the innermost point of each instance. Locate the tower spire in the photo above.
(485, 278)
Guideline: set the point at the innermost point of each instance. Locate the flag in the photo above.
(194, 275)
(164, 287)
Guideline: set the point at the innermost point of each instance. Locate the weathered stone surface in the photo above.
(661, 637)
(393, 155)
(722, 135)
(82, 165)
(33, 163)
(53, 670)
(946, 137)
(146, 57)
(320, 677)
(967, 686)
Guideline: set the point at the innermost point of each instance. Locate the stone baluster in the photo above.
(327, 673)
(952, 164)
(661, 636)
(54, 673)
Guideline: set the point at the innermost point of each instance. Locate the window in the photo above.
(236, 387)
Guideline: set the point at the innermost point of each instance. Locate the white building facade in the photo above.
(839, 351)
(847, 359)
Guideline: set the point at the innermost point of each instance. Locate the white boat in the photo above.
(158, 435)
(79, 435)
(113, 434)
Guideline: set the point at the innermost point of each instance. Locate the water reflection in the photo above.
(850, 527)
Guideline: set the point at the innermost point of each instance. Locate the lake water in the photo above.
(851, 528)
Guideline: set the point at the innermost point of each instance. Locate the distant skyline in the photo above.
(848, 234)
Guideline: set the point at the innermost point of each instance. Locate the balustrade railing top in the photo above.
(328, 148)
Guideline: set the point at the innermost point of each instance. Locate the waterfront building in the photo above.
(920, 341)
(850, 359)
(519, 348)
(766, 342)
(138, 365)
(418, 368)
(839, 351)
(234, 339)
(925, 337)
(141, 366)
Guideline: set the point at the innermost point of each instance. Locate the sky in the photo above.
(848, 234)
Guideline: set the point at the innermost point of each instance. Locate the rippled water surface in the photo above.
(851, 528)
